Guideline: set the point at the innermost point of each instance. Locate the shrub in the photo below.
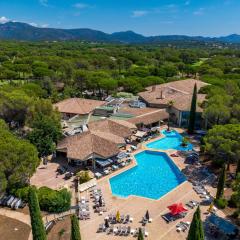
(233, 202)
(54, 201)
(221, 203)
(83, 176)
(38, 230)
(236, 214)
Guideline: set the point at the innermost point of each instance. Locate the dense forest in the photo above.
(35, 75)
(67, 69)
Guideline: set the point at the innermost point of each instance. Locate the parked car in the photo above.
(10, 200)
(61, 170)
(3, 200)
(49, 226)
(14, 202)
(68, 175)
(17, 204)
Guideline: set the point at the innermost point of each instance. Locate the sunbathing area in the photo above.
(109, 217)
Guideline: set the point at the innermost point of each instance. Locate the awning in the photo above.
(177, 208)
(104, 163)
(122, 155)
(222, 224)
(140, 134)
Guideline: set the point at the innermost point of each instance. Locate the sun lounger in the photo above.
(145, 233)
(115, 230)
(127, 218)
(110, 230)
(133, 231)
(128, 231)
(98, 175)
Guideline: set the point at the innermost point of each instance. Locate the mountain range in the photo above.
(26, 32)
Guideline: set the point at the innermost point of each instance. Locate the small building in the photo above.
(83, 149)
(77, 106)
(176, 98)
(102, 141)
(149, 120)
(120, 128)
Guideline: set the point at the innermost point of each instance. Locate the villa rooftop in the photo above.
(83, 146)
(180, 92)
(79, 106)
(150, 117)
(116, 127)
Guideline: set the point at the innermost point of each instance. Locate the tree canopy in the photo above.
(18, 159)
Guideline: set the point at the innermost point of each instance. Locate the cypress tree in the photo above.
(221, 183)
(196, 229)
(192, 116)
(38, 230)
(75, 230)
(140, 235)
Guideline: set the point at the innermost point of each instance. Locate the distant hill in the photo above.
(26, 32)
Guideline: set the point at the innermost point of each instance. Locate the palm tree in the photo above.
(170, 104)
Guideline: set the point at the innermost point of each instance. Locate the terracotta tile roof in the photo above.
(82, 146)
(150, 118)
(184, 103)
(78, 105)
(178, 91)
(117, 127)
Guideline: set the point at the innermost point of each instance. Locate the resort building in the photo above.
(176, 98)
(151, 119)
(120, 128)
(77, 106)
(101, 142)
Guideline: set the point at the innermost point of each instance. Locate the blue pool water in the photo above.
(154, 176)
(172, 140)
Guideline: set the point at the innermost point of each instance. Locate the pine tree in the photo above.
(75, 230)
(38, 230)
(238, 167)
(221, 183)
(196, 229)
(140, 235)
(192, 116)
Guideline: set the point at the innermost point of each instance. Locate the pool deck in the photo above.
(137, 206)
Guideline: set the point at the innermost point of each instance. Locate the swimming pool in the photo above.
(154, 176)
(172, 140)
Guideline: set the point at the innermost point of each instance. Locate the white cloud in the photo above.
(33, 24)
(44, 2)
(4, 19)
(199, 12)
(81, 5)
(45, 25)
(139, 13)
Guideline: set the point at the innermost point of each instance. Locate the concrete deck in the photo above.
(137, 206)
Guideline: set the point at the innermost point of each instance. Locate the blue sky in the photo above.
(148, 17)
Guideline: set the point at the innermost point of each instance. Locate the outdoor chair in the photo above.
(128, 231)
(127, 218)
(110, 230)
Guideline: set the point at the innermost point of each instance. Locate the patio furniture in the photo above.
(110, 230)
(115, 167)
(115, 230)
(98, 175)
(177, 208)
